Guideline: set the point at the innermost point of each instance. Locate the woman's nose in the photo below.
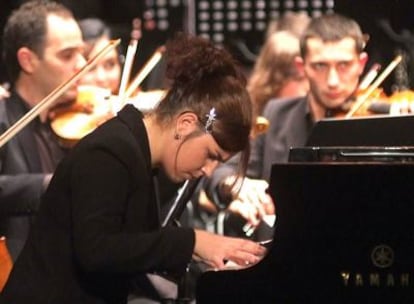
(209, 167)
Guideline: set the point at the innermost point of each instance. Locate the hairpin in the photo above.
(211, 117)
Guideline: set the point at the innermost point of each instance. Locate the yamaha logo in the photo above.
(382, 256)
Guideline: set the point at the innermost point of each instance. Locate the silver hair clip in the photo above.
(211, 117)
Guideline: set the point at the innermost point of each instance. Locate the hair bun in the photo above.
(192, 59)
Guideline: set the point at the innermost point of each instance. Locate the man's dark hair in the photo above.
(331, 28)
(27, 27)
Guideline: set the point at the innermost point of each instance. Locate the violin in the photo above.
(376, 96)
(399, 103)
(379, 103)
(364, 97)
(368, 95)
(93, 106)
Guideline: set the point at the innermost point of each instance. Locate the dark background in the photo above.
(383, 46)
(389, 23)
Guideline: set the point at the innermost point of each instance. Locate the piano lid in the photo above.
(364, 131)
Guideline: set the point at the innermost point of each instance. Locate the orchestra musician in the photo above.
(332, 59)
(274, 75)
(98, 97)
(42, 48)
(96, 89)
(104, 76)
(98, 224)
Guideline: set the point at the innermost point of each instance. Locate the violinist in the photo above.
(96, 89)
(332, 59)
(98, 97)
(101, 81)
(42, 48)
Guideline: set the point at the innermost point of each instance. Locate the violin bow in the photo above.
(358, 104)
(147, 68)
(369, 77)
(46, 102)
(129, 58)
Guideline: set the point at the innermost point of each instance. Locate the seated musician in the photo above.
(96, 89)
(332, 59)
(42, 47)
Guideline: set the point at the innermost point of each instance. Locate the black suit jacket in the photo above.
(21, 176)
(98, 225)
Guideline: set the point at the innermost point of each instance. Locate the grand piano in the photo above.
(344, 231)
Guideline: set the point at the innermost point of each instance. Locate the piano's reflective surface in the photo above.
(344, 234)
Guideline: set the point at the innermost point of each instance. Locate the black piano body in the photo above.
(344, 231)
(344, 234)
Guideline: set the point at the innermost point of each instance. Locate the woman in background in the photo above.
(275, 74)
(107, 72)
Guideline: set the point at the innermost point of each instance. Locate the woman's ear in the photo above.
(186, 123)
(27, 59)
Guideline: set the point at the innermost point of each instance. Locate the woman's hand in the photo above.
(214, 250)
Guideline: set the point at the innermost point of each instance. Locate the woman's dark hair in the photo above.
(205, 77)
(92, 30)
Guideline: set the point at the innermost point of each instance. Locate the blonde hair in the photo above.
(293, 22)
(273, 68)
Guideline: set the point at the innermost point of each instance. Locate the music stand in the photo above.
(365, 131)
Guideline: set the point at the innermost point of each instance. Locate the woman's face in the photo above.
(107, 72)
(192, 157)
